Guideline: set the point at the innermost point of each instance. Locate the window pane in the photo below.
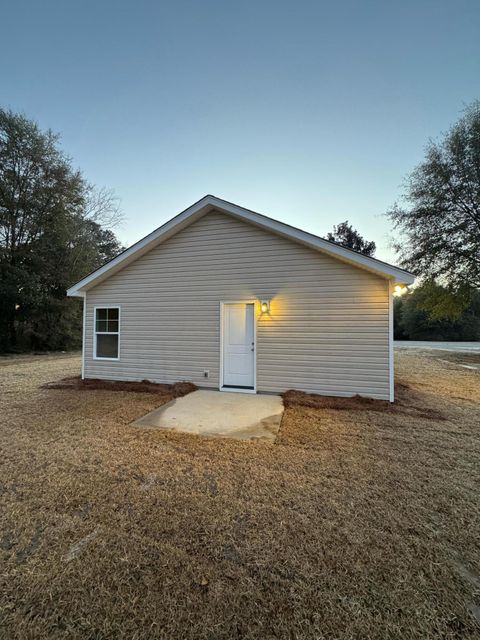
(112, 314)
(112, 325)
(102, 314)
(107, 346)
(101, 325)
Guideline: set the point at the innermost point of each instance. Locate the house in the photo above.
(233, 300)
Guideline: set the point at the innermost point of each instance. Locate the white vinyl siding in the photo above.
(327, 330)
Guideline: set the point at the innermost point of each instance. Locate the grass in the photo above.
(359, 522)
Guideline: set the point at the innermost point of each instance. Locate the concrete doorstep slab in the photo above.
(222, 414)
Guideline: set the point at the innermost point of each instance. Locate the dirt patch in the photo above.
(294, 398)
(176, 390)
(407, 403)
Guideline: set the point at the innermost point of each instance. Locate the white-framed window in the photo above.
(106, 343)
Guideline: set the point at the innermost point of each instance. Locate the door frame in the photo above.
(223, 304)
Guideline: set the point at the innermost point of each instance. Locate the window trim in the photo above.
(108, 333)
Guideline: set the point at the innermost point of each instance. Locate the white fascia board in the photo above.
(398, 276)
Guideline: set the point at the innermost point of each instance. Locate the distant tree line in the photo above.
(415, 317)
(54, 229)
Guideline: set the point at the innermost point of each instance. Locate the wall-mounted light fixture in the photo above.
(265, 306)
(399, 290)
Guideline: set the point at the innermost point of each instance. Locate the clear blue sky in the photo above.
(311, 112)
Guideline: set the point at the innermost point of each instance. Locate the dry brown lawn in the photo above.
(358, 523)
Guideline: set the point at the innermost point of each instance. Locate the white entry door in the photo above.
(239, 345)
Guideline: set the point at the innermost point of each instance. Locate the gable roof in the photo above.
(210, 203)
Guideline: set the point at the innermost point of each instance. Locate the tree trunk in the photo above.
(11, 330)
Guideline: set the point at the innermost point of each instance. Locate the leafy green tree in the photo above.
(398, 330)
(349, 237)
(439, 220)
(51, 234)
(415, 321)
